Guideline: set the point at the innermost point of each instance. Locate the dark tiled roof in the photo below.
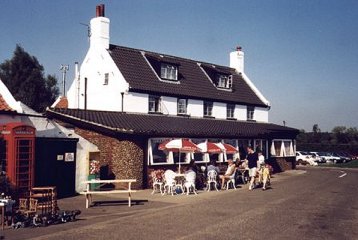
(194, 83)
(4, 107)
(168, 126)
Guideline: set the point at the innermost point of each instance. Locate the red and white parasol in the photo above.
(179, 145)
(209, 147)
(230, 149)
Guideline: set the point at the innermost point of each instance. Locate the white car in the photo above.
(327, 157)
(302, 156)
(317, 158)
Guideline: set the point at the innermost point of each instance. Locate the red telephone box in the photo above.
(19, 141)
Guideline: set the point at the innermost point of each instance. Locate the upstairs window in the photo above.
(169, 71)
(182, 105)
(106, 78)
(230, 109)
(208, 109)
(224, 81)
(250, 112)
(154, 104)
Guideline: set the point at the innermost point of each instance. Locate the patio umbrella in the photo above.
(179, 145)
(230, 149)
(207, 148)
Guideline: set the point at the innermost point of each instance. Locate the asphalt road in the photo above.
(316, 203)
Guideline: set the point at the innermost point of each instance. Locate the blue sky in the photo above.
(302, 55)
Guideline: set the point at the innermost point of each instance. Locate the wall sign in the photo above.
(69, 157)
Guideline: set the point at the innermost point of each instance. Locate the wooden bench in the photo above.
(88, 193)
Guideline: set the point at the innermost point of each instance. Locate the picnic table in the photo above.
(89, 192)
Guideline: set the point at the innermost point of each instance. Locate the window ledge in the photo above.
(183, 114)
(159, 113)
(209, 117)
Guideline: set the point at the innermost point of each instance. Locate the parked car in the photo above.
(341, 156)
(305, 157)
(345, 156)
(317, 158)
(329, 157)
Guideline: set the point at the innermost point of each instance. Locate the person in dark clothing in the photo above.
(252, 158)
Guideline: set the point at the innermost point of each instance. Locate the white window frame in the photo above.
(154, 104)
(208, 108)
(286, 148)
(168, 71)
(230, 110)
(224, 81)
(182, 106)
(250, 112)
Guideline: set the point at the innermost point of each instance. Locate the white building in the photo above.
(136, 99)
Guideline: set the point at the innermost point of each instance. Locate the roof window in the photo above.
(224, 81)
(168, 71)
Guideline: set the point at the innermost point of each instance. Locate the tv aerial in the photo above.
(88, 29)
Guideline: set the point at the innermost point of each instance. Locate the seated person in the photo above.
(244, 164)
(229, 172)
(212, 166)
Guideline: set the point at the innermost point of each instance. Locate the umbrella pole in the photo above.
(179, 162)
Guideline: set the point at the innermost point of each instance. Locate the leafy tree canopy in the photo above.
(24, 77)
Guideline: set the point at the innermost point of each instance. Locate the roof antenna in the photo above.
(88, 29)
(64, 69)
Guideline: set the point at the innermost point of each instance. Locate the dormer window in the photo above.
(169, 71)
(154, 104)
(224, 81)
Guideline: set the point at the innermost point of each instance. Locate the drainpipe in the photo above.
(85, 94)
(122, 94)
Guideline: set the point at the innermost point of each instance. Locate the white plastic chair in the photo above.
(190, 178)
(169, 182)
(157, 183)
(212, 176)
(232, 180)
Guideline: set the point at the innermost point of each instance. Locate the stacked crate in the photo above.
(47, 199)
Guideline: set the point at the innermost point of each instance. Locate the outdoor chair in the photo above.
(23, 205)
(169, 182)
(241, 174)
(189, 183)
(231, 180)
(32, 207)
(212, 176)
(158, 183)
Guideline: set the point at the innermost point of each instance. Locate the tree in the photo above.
(24, 77)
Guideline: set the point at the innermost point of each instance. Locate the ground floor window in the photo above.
(282, 147)
(160, 157)
(278, 148)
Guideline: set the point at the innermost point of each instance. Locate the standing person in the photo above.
(260, 166)
(252, 158)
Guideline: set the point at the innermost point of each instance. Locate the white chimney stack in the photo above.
(99, 29)
(237, 60)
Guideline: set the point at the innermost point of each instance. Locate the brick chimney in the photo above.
(237, 59)
(99, 29)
